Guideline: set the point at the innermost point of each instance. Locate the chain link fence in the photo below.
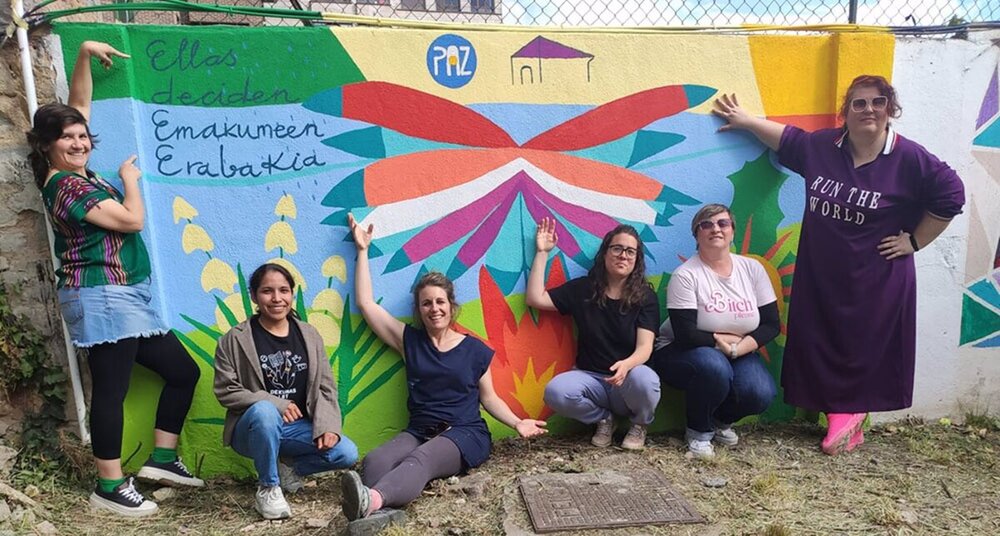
(565, 13)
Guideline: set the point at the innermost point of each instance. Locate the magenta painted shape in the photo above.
(567, 243)
(991, 102)
(481, 240)
(593, 222)
(452, 227)
(543, 48)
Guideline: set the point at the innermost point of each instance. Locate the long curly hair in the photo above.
(636, 286)
(50, 121)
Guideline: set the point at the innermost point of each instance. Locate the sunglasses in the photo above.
(708, 225)
(877, 103)
(622, 251)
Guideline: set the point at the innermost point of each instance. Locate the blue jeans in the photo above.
(262, 435)
(588, 398)
(716, 389)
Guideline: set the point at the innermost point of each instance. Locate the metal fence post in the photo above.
(852, 11)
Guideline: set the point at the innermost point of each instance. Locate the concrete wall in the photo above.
(255, 143)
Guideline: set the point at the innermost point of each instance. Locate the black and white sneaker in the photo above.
(123, 500)
(169, 474)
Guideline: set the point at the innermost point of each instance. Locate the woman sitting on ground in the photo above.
(104, 261)
(272, 376)
(722, 310)
(448, 377)
(616, 317)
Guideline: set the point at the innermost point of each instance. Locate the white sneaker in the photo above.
(701, 449)
(726, 436)
(271, 503)
(602, 436)
(635, 439)
(291, 482)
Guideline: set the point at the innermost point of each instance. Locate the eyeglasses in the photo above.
(877, 103)
(622, 251)
(708, 225)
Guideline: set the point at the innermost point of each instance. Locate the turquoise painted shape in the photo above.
(989, 137)
(698, 94)
(364, 142)
(326, 102)
(988, 343)
(984, 289)
(505, 280)
(616, 152)
(650, 142)
(399, 144)
(349, 192)
(398, 261)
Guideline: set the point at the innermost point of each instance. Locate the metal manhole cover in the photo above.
(605, 499)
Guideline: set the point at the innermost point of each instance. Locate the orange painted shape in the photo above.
(808, 123)
(432, 171)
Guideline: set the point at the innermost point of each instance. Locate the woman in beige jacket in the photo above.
(272, 377)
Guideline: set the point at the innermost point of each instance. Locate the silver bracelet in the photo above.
(732, 350)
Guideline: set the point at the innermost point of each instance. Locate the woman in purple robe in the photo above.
(873, 199)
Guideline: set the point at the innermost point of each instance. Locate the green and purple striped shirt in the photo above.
(91, 255)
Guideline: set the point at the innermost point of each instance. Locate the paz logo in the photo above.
(451, 61)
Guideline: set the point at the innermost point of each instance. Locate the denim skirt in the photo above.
(109, 313)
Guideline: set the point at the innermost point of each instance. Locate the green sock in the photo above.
(108, 485)
(164, 455)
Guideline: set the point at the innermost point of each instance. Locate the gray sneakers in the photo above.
(602, 436)
(271, 503)
(725, 435)
(635, 439)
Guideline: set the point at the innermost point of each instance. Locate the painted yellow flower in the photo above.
(299, 280)
(281, 235)
(329, 301)
(335, 266)
(195, 238)
(328, 328)
(217, 275)
(285, 207)
(183, 210)
(235, 304)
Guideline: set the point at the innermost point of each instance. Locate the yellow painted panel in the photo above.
(795, 73)
(622, 65)
(863, 53)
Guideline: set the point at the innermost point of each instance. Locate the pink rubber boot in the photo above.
(841, 432)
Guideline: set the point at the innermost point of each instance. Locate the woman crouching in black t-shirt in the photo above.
(272, 376)
(616, 317)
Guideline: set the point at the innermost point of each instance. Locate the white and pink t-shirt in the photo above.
(724, 304)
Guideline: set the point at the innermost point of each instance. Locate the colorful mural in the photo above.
(255, 143)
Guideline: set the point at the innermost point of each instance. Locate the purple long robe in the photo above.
(852, 318)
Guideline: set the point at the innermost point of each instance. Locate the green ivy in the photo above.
(26, 366)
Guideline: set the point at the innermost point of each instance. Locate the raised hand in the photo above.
(728, 108)
(128, 170)
(103, 52)
(546, 237)
(362, 237)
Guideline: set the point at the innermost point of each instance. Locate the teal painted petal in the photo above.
(670, 196)
(397, 262)
(327, 102)
(374, 252)
(456, 269)
(616, 153)
(698, 94)
(989, 137)
(397, 144)
(646, 234)
(364, 142)
(649, 143)
(505, 280)
(338, 219)
(349, 192)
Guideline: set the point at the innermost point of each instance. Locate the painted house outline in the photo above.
(540, 49)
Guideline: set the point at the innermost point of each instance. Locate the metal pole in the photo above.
(28, 75)
(852, 12)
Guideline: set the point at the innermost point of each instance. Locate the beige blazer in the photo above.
(239, 381)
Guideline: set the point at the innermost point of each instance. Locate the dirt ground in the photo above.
(908, 478)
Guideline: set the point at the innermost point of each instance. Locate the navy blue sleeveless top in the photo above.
(444, 393)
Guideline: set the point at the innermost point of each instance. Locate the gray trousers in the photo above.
(400, 468)
(588, 398)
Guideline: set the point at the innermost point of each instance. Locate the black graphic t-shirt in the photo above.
(284, 362)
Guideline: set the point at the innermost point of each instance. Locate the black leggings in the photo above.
(111, 371)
